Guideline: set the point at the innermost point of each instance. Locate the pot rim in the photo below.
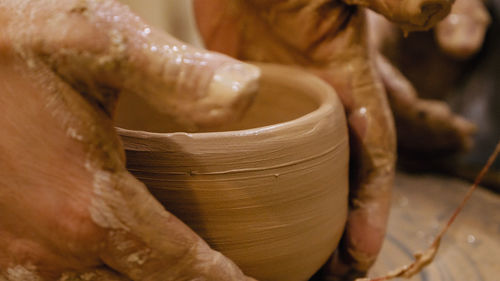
(324, 94)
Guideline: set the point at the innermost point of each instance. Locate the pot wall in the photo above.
(274, 198)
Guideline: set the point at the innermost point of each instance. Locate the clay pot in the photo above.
(270, 192)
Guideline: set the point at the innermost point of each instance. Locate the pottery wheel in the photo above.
(421, 204)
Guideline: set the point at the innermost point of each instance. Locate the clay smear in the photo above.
(100, 211)
(426, 257)
(21, 273)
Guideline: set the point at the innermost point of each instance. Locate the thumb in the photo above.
(461, 34)
(114, 51)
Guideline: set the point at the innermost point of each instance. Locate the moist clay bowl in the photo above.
(269, 192)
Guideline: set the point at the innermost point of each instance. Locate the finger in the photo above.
(99, 274)
(409, 15)
(116, 51)
(373, 153)
(86, 207)
(423, 125)
(144, 242)
(462, 33)
(336, 52)
(25, 273)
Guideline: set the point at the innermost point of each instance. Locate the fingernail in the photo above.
(232, 82)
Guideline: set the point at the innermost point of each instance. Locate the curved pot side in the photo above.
(273, 198)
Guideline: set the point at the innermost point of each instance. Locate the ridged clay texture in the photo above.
(269, 191)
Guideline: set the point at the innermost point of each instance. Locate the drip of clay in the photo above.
(269, 192)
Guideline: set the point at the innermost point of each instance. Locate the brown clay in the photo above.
(68, 206)
(271, 194)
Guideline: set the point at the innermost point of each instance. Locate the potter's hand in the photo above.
(411, 15)
(429, 125)
(424, 126)
(461, 34)
(327, 38)
(69, 210)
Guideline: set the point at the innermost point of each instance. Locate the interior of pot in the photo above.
(277, 101)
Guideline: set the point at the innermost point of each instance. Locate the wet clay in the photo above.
(67, 203)
(278, 102)
(270, 191)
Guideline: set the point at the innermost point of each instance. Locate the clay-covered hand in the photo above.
(423, 126)
(411, 15)
(428, 126)
(329, 38)
(69, 210)
(461, 34)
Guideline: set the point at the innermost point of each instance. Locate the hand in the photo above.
(69, 210)
(424, 126)
(329, 39)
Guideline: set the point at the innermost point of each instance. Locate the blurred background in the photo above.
(470, 86)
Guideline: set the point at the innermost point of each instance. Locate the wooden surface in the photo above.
(421, 204)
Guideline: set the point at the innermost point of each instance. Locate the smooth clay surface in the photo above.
(270, 191)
